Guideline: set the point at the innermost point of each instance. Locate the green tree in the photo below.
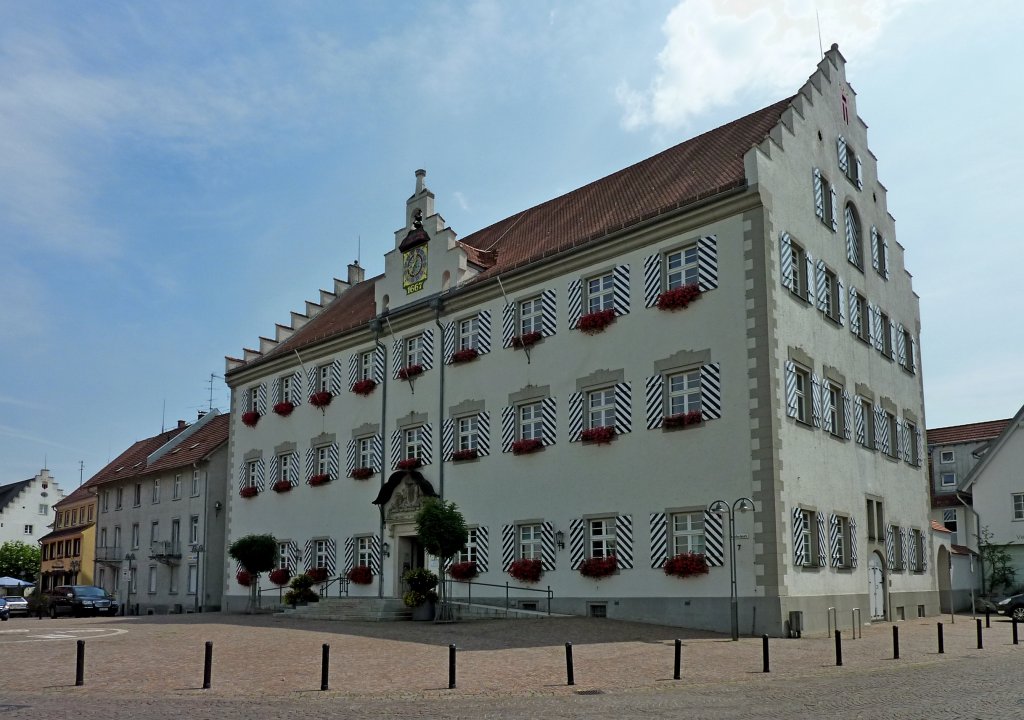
(442, 531)
(20, 560)
(257, 554)
(996, 563)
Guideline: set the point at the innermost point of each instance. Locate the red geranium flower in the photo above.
(319, 574)
(409, 464)
(465, 455)
(525, 447)
(528, 571)
(678, 298)
(526, 340)
(244, 578)
(682, 419)
(599, 435)
(250, 418)
(360, 575)
(321, 399)
(465, 355)
(282, 486)
(364, 387)
(361, 473)
(596, 322)
(321, 479)
(686, 564)
(249, 491)
(407, 373)
(598, 568)
(284, 409)
(281, 576)
(463, 571)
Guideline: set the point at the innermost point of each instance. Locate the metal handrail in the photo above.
(471, 583)
(343, 583)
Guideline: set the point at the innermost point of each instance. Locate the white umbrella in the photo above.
(9, 582)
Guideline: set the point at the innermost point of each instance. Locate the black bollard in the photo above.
(80, 664)
(325, 665)
(839, 649)
(451, 667)
(764, 651)
(207, 665)
(568, 665)
(942, 649)
(988, 618)
(980, 644)
(1014, 621)
(895, 643)
(679, 658)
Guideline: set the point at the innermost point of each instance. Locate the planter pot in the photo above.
(424, 612)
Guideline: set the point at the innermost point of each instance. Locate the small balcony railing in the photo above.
(110, 554)
(165, 550)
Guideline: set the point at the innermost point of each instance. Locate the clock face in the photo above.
(415, 269)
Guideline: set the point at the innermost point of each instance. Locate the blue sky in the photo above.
(176, 177)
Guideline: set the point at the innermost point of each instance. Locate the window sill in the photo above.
(834, 321)
(837, 437)
(864, 340)
(855, 265)
(804, 424)
(890, 458)
(799, 298)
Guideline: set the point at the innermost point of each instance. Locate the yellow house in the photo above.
(68, 553)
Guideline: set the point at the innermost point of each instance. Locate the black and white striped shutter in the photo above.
(377, 451)
(860, 422)
(483, 548)
(310, 462)
(924, 553)
(547, 417)
(652, 279)
(333, 460)
(892, 336)
(707, 262)
(844, 160)
(483, 344)
(659, 540)
(332, 556)
(508, 546)
(623, 408)
(653, 393)
(833, 536)
(508, 324)
(860, 174)
(307, 556)
(847, 414)
(810, 278)
(714, 539)
(919, 440)
(353, 369)
(428, 349)
(851, 239)
(426, 444)
(350, 554)
(313, 380)
(816, 400)
(820, 279)
(243, 475)
(799, 546)
(398, 357)
(826, 417)
(396, 448)
(855, 318)
(483, 438)
(379, 363)
(334, 378)
(577, 547)
(912, 353)
(822, 542)
(901, 345)
(841, 296)
(881, 431)
(275, 390)
(853, 543)
(885, 255)
(835, 207)
(879, 330)
(905, 544)
(261, 399)
(447, 439)
(620, 289)
(575, 416)
(786, 260)
(293, 556)
(792, 406)
(547, 546)
(710, 391)
(819, 196)
(375, 555)
(448, 342)
(260, 474)
(297, 394)
(899, 438)
(575, 303)
(624, 541)
(874, 247)
(508, 428)
(547, 313)
(890, 548)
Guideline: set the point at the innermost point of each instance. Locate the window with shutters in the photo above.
(949, 520)
(154, 531)
(104, 502)
(866, 424)
(809, 538)
(284, 560)
(908, 354)
(414, 351)
(600, 293)
(469, 333)
(917, 543)
(826, 192)
(528, 546)
(323, 378)
(135, 536)
(830, 300)
(688, 532)
(285, 469)
(843, 541)
(799, 280)
(879, 254)
(681, 267)
(913, 456)
(947, 479)
(322, 460)
(470, 551)
(364, 551)
(854, 237)
(254, 399)
(284, 390)
(530, 316)
(886, 335)
(468, 432)
(893, 429)
(863, 329)
(852, 166)
(683, 390)
(833, 409)
(1018, 506)
(530, 425)
(601, 408)
(899, 559)
(320, 553)
(364, 452)
(412, 443)
(601, 537)
(803, 395)
(251, 473)
(364, 369)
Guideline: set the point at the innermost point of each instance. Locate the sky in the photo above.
(175, 178)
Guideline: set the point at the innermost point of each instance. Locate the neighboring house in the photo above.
(996, 482)
(160, 529)
(67, 552)
(25, 507)
(730, 318)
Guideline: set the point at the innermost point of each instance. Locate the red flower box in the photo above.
(409, 464)
(365, 387)
(693, 417)
(244, 578)
(599, 435)
(528, 571)
(463, 571)
(249, 491)
(250, 418)
(321, 479)
(318, 574)
(595, 322)
(686, 564)
(281, 576)
(361, 473)
(678, 298)
(525, 447)
(282, 486)
(360, 575)
(407, 373)
(465, 455)
(465, 355)
(598, 568)
(321, 399)
(284, 409)
(527, 340)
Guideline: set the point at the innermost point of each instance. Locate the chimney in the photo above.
(420, 174)
(356, 274)
(182, 424)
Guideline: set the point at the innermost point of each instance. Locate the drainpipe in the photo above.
(438, 306)
(383, 448)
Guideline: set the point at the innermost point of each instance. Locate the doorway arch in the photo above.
(876, 586)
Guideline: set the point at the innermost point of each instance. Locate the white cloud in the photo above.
(460, 198)
(717, 50)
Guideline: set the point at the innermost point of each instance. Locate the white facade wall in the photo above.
(994, 490)
(27, 516)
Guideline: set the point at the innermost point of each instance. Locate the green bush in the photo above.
(300, 590)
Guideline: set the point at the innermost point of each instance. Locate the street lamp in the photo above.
(75, 567)
(130, 557)
(719, 507)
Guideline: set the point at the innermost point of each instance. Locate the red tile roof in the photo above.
(939, 527)
(971, 432)
(699, 168)
(133, 460)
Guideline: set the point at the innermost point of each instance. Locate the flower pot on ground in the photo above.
(465, 455)
(463, 571)
(409, 372)
(686, 565)
(364, 387)
(526, 570)
(282, 486)
(598, 435)
(525, 447)
(596, 322)
(281, 576)
(249, 491)
(284, 409)
(681, 420)
(362, 473)
(318, 574)
(250, 418)
(678, 298)
(526, 340)
(244, 578)
(465, 355)
(300, 590)
(421, 596)
(598, 568)
(321, 399)
(360, 575)
(409, 464)
(321, 479)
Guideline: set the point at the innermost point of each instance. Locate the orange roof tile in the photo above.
(971, 432)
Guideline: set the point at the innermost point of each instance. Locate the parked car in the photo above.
(78, 600)
(114, 608)
(1012, 606)
(17, 605)
(5, 612)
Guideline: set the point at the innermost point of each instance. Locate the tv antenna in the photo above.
(212, 376)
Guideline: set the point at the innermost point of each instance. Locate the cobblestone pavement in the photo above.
(269, 667)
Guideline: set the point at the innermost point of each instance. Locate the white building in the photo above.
(791, 377)
(25, 508)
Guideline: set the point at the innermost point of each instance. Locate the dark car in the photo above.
(78, 600)
(1012, 607)
(5, 612)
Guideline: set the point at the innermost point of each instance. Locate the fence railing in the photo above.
(325, 589)
(507, 587)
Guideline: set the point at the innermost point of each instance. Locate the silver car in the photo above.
(17, 604)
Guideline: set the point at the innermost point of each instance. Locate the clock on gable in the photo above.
(414, 269)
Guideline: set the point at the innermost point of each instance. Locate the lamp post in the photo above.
(130, 557)
(75, 567)
(196, 549)
(719, 507)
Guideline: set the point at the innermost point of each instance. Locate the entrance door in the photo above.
(410, 557)
(876, 587)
